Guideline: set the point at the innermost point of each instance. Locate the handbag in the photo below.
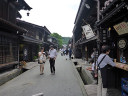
(40, 61)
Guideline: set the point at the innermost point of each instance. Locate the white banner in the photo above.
(88, 31)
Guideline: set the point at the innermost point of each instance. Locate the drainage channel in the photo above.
(79, 69)
(6, 76)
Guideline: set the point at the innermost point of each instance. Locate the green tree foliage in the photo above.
(58, 37)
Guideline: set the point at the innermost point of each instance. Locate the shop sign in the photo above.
(121, 28)
(88, 31)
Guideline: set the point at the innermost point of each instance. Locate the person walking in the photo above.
(52, 58)
(42, 60)
(70, 53)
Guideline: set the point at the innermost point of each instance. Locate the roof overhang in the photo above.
(22, 5)
(31, 40)
(112, 13)
(84, 41)
(85, 15)
(10, 26)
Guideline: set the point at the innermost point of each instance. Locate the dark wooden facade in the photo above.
(84, 16)
(9, 32)
(32, 41)
(112, 13)
(115, 13)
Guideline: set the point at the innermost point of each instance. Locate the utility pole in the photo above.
(98, 19)
(98, 10)
(98, 34)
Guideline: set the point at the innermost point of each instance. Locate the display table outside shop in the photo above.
(122, 66)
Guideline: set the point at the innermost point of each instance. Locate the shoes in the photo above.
(41, 73)
(53, 73)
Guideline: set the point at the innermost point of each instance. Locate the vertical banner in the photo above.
(88, 31)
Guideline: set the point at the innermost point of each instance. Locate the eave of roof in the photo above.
(110, 14)
(32, 40)
(22, 5)
(6, 24)
(85, 13)
(41, 27)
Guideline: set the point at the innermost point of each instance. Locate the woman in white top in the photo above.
(42, 60)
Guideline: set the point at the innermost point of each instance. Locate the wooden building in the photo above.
(32, 41)
(86, 15)
(9, 31)
(49, 40)
(53, 41)
(113, 32)
(111, 29)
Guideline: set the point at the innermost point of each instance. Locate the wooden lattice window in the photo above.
(8, 49)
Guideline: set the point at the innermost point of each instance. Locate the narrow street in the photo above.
(63, 83)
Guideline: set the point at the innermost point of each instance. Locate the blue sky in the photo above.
(57, 15)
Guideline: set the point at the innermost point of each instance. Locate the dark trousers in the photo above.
(52, 65)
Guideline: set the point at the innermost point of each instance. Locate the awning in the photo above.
(10, 26)
(83, 41)
(31, 40)
(88, 40)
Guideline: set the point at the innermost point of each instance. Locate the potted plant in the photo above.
(34, 58)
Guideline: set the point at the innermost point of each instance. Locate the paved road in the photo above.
(63, 83)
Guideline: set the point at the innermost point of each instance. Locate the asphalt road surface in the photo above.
(63, 83)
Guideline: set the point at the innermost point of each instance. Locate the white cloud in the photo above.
(57, 15)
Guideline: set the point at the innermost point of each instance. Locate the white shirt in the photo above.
(106, 60)
(52, 53)
(42, 57)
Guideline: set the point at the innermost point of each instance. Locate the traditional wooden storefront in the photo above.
(112, 29)
(82, 44)
(8, 48)
(32, 41)
(113, 32)
(10, 32)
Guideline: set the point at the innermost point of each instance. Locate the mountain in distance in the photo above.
(65, 40)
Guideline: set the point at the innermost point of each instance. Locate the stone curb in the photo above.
(7, 77)
(87, 74)
(79, 80)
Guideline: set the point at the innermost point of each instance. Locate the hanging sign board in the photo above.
(121, 28)
(88, 31)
